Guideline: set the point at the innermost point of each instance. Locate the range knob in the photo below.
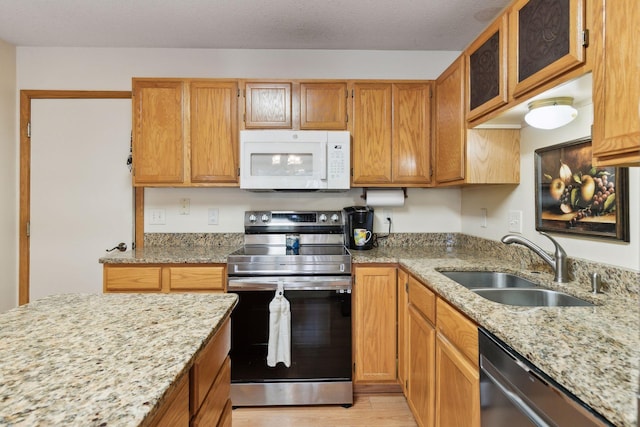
(323, 218)
(265, 218)
(335, 218)
(252, 218)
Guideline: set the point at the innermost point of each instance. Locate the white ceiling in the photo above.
(247, 24)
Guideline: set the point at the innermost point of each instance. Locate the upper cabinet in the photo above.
(486, 70)
(159, 134)
(546, 39)
(323, 105)
(469, 156)
(267, 105)
(185, 132)
(616, 86)
(391, 131)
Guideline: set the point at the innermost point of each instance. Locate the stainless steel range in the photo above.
(303, 253)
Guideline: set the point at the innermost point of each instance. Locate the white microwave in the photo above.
(295, 160)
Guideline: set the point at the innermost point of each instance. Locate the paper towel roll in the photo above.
(392, 197)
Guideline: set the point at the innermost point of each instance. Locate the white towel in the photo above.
(279, 347)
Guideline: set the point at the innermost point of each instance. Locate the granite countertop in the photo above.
(594, 352)
(100, 360)
(171, 255)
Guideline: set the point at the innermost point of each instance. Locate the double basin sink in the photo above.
(506, 288)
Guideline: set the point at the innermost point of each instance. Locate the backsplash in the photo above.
(614, 279)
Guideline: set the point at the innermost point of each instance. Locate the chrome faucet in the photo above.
(558, 262)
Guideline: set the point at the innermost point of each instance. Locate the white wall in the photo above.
(500, 200)
(8, 179)
(112, 69)
(425, 210)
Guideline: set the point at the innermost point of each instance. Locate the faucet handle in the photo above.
(559, 249)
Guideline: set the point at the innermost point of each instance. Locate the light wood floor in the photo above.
(372, 410)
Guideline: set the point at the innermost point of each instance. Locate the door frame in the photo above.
(25, 177)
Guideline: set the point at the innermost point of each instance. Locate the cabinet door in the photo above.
(372, 134)
(450, 125)
(457, 387)
(214, 132)
(486, 71)
(158, 132)
(403, 329)
(323, 106)
(196, 278)
(267, 105)
(132, 279)
(374, 320)
(411, 133)
(546, 40)
(616, 86)
(421, 393)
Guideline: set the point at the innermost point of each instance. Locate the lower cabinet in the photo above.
(442, 361)
(201, 397)
(164, 278)
(374, 325)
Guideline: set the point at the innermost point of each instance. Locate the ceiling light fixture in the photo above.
(551, 113)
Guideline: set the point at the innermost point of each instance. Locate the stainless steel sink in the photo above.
(506, 288)
(488, 279)
(531, 297)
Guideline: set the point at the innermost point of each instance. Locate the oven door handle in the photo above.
(291, 284)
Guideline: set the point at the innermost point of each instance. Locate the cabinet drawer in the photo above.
(207, 366)
(132, 279)
(175, 411)
(196, 278)
(422, 299)
(214, 404)
(459, 330)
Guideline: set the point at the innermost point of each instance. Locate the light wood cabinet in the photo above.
(374, 324)
(164, 278)
(391, 134)
(403, 329)
(323, 105)
(486, 70)
(546, 40)
(457, 379)
(159, 132)
(422, 339)
(616, 85)
(201, 396)
(470, 156)
(214, 132)
(185, 132)
(267, 105)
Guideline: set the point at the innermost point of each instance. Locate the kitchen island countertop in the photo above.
(101, 360)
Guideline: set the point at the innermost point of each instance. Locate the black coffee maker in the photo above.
(358, 227)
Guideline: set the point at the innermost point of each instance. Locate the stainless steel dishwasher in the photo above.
(513, 392)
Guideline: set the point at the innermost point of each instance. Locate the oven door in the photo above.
(320, 370)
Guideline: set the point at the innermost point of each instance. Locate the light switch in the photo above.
(515, 221)
(483, 217)
(213, 216)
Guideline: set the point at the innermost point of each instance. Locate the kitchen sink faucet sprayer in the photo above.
(558, 262)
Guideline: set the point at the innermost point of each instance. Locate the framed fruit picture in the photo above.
(574, 196)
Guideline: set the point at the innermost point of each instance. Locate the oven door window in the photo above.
(320, 337)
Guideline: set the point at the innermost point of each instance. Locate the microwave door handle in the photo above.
(323, 160)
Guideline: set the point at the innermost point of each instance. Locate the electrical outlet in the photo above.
(212, 217)
(515, 221)
(157, 217)
(483, 217)
(185, 206)
(387, 215)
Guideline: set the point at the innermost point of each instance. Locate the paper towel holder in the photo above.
(364, 191)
